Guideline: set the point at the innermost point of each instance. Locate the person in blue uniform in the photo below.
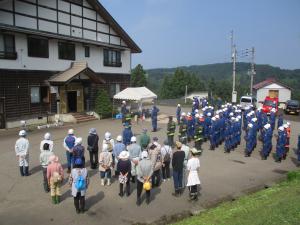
(249, 140)
(273, 118)
(227, 146)
(127, 134)
(281, 139)
(212, 134)
(178, 113)
(207, 124)
(267, 141)
(182, 132)
(154, 113)
(280, 121)
(190, 127)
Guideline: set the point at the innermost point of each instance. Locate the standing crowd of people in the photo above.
(145, 162)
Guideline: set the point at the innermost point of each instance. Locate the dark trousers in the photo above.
(94, 159)
(139, 190)
(193, 189)
(155, 178)
(69, 159)
(171, 140)
(177, 178)
(79, 202)
(127, 188)
(45, 180)
(166, 170)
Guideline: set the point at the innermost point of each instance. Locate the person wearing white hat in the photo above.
(109, 141)
(92, 147)
(280, 145)
(144, 173)
(69, 143)
(78, 151)
(105, 165)
(193, 166)
(267, 134)
(118, 148)
(55, 176)
(134, 151)
(47, 143)
(46, 151)
(22, 153)
(124, 168)
(250, 135)
(124, 111)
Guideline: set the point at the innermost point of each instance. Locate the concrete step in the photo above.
(80, 118)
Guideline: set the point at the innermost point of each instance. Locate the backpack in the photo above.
(80, 183)
(167, 157)
(46, 146)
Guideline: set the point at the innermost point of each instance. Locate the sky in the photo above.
(174, 33)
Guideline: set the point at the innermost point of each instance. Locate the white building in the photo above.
(273, 89)
(59, 51)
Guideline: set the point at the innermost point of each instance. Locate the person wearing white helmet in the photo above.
(78, 151)
(47, 143)
(280, 145)
(267, 134)
(105, 165)
(249, 140)
(124, 111)
(178, 113)
(134, 151)
(109, 141)
(46, 148)
(69, 143)
(118, 148)
(22, 153)
(92, 147)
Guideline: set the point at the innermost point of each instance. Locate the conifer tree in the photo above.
(103, 105)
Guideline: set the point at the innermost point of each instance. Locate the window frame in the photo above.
(60, 44)
(8, 54)
(37, 38)
(108, 58)
(40, 97)
(87, 51)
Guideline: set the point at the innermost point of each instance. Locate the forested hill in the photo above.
(219, 75)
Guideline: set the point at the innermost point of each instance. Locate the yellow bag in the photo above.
(147, 186)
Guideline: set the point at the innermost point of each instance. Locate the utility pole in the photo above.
(233, 57)
(185, 94)
(252, 69)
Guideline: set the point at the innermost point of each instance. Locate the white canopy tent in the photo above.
(138, 94)
(135, 94)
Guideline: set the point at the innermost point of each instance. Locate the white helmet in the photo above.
(47, 136)
(123, 102)
(231, 114)
(217, 116)
(22, 133)
(267, 126)
(197, 115)
(196, 110)
(133, 139)
(254, 119)
(273, 110)
(178, 105)
(285, 126)
(70, 131)
(288, 123)
(237, 119)
(281, 128)
(119, 138)
(214, 118)
(188, 113)
(78, 141)
(250, 125)
(107, 136)
(209, 114)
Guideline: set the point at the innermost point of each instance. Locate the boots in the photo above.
(57, 199)
(21, 171)
(26, 171)
(102, 182)
(176, 193)
(82, 204)
(108, 182)
(53, 199)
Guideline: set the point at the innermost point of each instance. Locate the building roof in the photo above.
(268, 82)
(75, 69)
(136, 94)
(113, 23)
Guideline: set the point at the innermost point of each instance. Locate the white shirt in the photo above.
(22, 146)
(48, 142)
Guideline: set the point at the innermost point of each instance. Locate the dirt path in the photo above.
(223, 176)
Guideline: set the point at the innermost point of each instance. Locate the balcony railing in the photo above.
(8, 55)
(112, 64)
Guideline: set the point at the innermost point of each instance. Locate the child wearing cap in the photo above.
(55, 176)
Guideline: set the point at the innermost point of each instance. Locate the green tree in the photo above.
(103, 105)
(166, 90)
(138, 77)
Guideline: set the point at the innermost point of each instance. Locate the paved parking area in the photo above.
(223, 176)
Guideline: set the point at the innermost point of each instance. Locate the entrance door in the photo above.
(72, 101)
(2, 114)
(273, 93)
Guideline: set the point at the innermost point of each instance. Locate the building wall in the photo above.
(95, 61)
(284, 94)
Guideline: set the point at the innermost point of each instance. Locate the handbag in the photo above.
(123, 178)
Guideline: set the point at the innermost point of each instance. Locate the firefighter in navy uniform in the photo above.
(198, 137)
(182, 133)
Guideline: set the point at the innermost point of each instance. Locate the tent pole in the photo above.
(112, 111)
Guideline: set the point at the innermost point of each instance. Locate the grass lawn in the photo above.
(278, 205)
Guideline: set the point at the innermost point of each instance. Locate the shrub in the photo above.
(103, 105)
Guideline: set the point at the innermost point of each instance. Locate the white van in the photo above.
(248, 101)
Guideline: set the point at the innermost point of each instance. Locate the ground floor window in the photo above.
(39, 95)
(114, 89)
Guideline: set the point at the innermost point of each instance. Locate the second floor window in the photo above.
(66, 51)
(38, 47)
(112, 58)
(7, 46)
